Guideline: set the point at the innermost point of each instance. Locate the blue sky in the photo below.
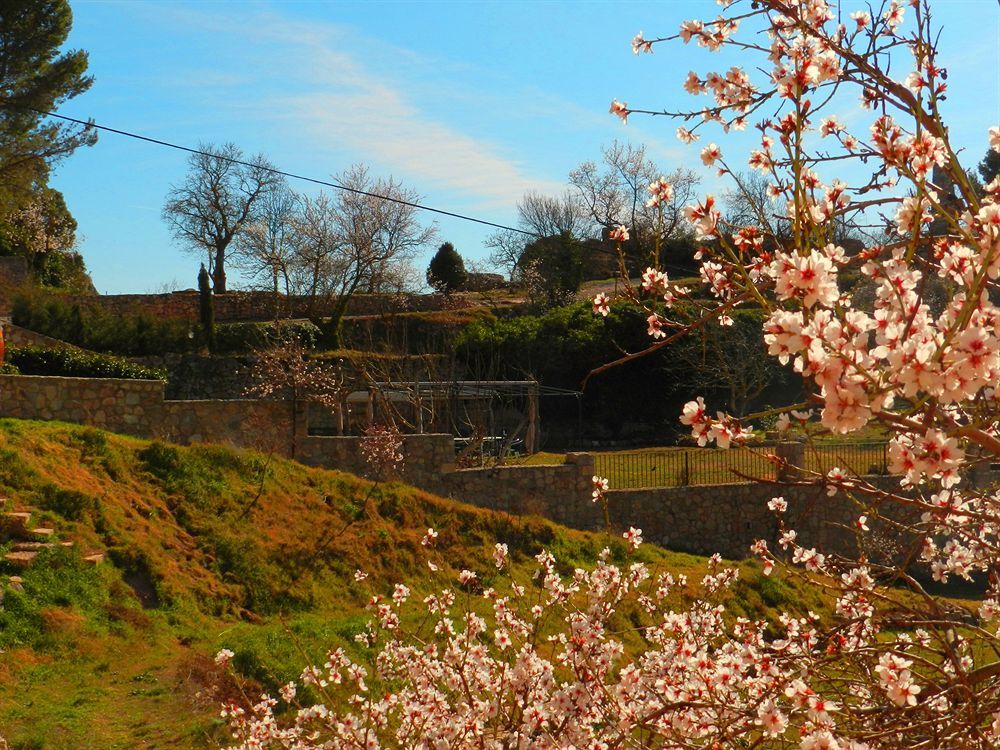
(470, 104)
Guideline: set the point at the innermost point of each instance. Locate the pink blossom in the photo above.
(602, 304)
(639, 44)
(619, 234)
(686, 136)
(655, 327)
(620, 109)
(660, 192)
(429, 538)
(710, 154)
(633, 537)
(862, 18)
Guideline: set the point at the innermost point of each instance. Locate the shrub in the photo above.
(91, 327)
(246, 337)
(33, 360)
(70, 504)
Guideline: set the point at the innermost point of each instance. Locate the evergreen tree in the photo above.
(207, 308)
(446, 272)
(989, 167)
(36, 77)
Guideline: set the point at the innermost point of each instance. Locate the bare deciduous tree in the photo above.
(267, 246)
(377, 232)
(540, 216)
(216, 201)
(316, 263)
(285, 372)
(615, 192)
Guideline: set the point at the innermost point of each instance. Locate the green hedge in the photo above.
(139, 333)
(91, 327)
(235, 338)
(33, 360)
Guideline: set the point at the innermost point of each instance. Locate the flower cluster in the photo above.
(596, 658)
(382, 449)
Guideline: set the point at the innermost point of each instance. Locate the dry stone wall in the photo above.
(426, 458)
(236, 306)
(137, 407)
(558, 492)
(129, 406)
(18, 336)
(700, 519)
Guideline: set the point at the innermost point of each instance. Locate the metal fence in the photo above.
(693, 466)
(854, 458)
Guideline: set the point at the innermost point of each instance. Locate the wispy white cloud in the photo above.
(306, 82)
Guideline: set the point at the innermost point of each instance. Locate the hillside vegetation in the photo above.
(207, 547)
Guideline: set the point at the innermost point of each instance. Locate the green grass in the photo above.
(120, 655)
(681, 466)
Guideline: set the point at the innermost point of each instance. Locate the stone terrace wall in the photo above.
(129, 406)
(558, 492)
(425, 457)
(264, 425)
(137, 407)
(197, 377)
(234, 306)
(699, 519)
(18, 336)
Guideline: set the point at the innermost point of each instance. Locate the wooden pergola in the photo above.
(420, 402)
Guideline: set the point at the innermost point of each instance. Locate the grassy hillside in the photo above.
(206, 548)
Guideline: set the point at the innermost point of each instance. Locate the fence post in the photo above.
(793, 455)
(687, 469)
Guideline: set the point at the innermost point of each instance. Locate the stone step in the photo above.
(94, 558)
(37, 546)
(16, 521)
(20, 559)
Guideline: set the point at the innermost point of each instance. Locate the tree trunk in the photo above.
(331, 328)
(219, 272)
(276, 298)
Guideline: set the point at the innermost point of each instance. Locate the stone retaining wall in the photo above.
(18, 336)
(137, 407)
(699, 519)
(263, 425)
(234, 306)
(133, 407)
(425, 457)
(558, 492)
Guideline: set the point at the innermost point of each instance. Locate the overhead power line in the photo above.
(304, 178)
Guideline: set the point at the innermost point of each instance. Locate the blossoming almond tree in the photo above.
(543, 663)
